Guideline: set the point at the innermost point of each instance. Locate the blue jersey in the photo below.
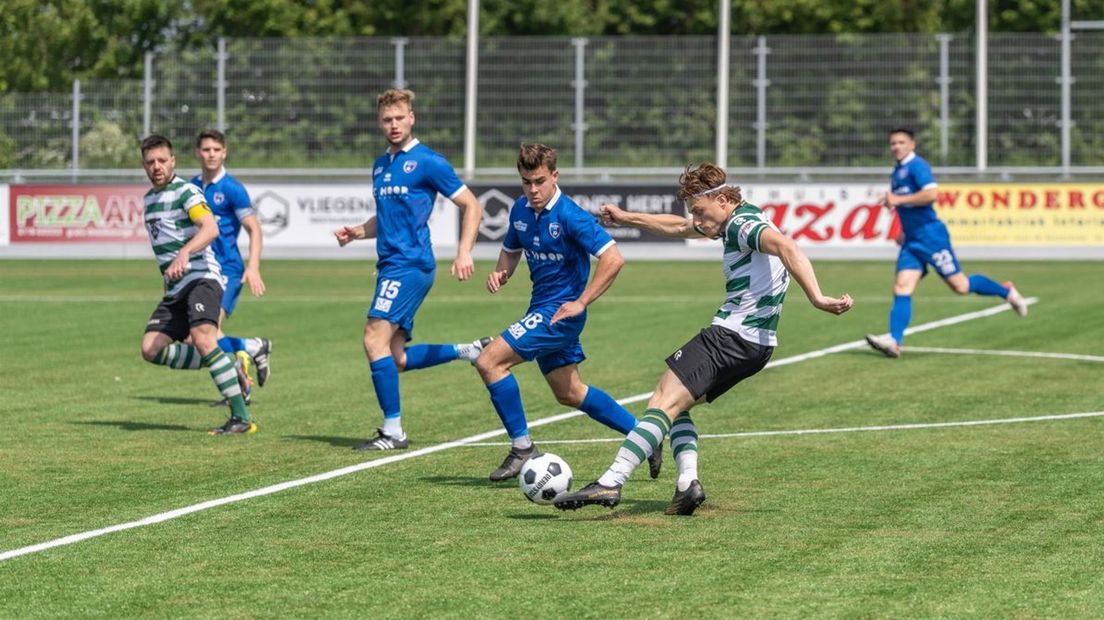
(405, 186)
(911, 175)
(231, 204)
(558, 243)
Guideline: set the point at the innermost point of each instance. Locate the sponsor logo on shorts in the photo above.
(154, 322)
(200, 308)
(678, 355)
(383, 304)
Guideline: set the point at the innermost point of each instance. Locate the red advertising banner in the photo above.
(77, 213)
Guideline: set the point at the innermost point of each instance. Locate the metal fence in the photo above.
(621, 104)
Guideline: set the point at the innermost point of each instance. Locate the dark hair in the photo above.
(533, 156)
(154, 142)
(210, 134)
(904, 130)
(696, 180)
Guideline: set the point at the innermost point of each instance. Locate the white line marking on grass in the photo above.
(1043, 354)
(336, 473)
(825, 431)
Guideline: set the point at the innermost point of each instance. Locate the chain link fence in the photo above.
(816, 101)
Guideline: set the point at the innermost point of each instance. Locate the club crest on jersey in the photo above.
(409, 166)
(220, 198)
(902, 173)
(554, 230)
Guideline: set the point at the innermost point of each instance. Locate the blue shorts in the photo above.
(233, 287)
(400, 291)
(932, 247)
(553, 346)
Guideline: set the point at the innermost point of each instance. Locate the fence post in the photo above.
(944, 82)
(400, 61)
(220, 122)
(1066, 81)
(982, 112)
(471, 90)
(580, 85)
(761, 83)
(147, 95)
(75, 165)
(724, 43)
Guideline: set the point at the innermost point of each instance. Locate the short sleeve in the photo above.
(442, 178)
(510, 241)
(744, 232)
(586, 231)
(922, 175)
(240, 201)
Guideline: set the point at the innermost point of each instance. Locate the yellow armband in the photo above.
(199, 211)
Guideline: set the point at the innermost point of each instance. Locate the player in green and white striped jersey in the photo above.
(181, 229)
(758, 263)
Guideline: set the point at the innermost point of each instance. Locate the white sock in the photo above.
(252, 346)
(684, 444)
(392, 427)
(522, 443)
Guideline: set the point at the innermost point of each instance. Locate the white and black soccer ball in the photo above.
(544, 477)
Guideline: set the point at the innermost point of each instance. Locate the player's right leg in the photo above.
(689, 493)
(909, 271)
(380, 338)
(259, 350)
(493, 366)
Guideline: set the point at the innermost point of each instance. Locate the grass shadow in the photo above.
(534, 517)
(130, 425)
(337, 442)
(464, 481)
(175, 400)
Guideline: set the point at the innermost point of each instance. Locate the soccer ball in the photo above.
(544, 477)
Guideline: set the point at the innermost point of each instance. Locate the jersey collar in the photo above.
(406, 149)
(911, 156)
(551, 203)
(218, 177)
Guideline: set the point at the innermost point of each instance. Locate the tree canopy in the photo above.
(48, 43)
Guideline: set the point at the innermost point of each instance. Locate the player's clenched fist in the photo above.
(496, 280)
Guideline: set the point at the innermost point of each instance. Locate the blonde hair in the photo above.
(395, 96)
(706, 178)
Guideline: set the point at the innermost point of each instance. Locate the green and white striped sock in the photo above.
(637, 447)
(684, 444)
(226, 378)
(179, 356)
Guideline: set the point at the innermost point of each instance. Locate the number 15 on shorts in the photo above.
(388, 291)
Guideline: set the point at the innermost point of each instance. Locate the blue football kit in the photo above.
(230, 203)
(558, 243)
(927, 241)
(405, 186)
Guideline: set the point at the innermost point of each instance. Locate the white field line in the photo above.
(344, 471)
(442, 299)
(826, 431)
(1042, 354)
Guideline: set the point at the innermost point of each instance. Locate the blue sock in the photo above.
(899, 317)
(231, 344)
(602, 408)
(984, 286)
(506, 398)
(426, 355)
(385, 380)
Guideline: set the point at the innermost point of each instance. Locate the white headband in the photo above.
(713, 190)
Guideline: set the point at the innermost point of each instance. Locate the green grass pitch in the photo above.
(982, 521)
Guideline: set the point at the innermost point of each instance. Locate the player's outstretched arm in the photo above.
(507, 263)
(464, 266)
(609, 265)
(921, 198)
(663, 224)
(795, 262)
(252, 275)
(347, 234)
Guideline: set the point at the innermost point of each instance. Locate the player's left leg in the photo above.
(494, 365)
(570, 391)
(689, 493)
(202, 308)
(258, 350)
(979, 284)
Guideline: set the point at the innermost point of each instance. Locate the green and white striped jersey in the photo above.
(755, 283)
(168, 216)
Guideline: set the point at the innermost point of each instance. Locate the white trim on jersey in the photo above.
(458, 192)
(605, 247)
(929, 186)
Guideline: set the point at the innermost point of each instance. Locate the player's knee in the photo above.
(962, 288)
(149, 352)
(571, 397)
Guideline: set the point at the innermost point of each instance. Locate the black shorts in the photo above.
(715, 360)
(198, 304)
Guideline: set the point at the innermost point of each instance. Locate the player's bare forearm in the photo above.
(504, 269)
(256, 241)
(797, 264)
(662, 224)
(472, 213)
(609, 265)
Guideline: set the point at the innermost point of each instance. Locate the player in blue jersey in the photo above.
(924, 242)
(234, 211)
(406, 181)
(557, 238)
